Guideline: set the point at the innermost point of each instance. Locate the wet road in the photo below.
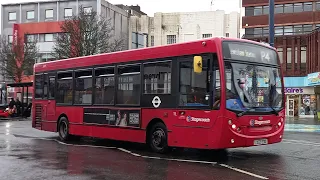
(26, 153)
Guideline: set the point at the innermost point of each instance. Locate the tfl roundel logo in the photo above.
(252, 122)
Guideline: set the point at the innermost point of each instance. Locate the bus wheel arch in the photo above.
(157, 136)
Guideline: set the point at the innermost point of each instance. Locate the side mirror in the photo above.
(197, 64)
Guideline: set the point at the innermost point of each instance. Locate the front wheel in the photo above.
(158, 139)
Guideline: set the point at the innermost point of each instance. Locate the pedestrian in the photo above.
(18, 106)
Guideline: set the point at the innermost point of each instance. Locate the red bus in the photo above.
(213, 93)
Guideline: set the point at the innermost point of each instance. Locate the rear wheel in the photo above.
(63, 129)
(158, 138)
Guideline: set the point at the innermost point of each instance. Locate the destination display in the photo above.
(249, 52)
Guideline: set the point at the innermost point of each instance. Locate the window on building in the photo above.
(152, 40)
(280, 52)
(317, 25)
(48, 37)
(30, 14)
(193, 86)
(49, 13)
(307, 6)
(10, 38)
(87, 10)
(296, 58)
(303, 58)
(128, 85)
(137, 40)
(38, 86)
(265, 9)
(171, 39)
(30, 38)
(249, 11)
(258, 10)
(288, 8)
(288, 30)
(307, 28)
(227, 35)
(278, 30)
(12, 16)
(52, 83)
(105, 85)
(318, 6)
(67, 12)
(249, 32)
(83, 87)
(298, 7)
(297, 29)
(265, 31)
(64, 88)
(206, 35)
(157, 78)
(257, 32)
(278, 9)
(289, 58)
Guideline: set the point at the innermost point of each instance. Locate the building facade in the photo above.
(42, 20)
(296, 33)
(170, 28)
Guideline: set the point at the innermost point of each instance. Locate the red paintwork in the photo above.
(205, 135)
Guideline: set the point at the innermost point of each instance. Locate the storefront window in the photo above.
(308, 104)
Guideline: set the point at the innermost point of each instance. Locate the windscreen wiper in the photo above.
(244, 112)
(274, 111)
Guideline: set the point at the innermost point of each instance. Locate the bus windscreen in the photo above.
(248, 52)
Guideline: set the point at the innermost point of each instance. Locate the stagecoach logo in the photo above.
(257, 122)
(189, 119)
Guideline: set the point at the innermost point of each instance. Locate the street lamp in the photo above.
(271, 23)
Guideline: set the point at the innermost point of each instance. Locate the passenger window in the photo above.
(157, 78)
(193, 86)
(104, 88)
(38, 86)
(129, 85)
(83, 87)
(52, 82)
(45, 86)
(64, 88)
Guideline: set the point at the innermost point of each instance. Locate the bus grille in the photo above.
(38, 115)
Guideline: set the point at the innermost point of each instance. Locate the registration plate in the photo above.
(260, 142)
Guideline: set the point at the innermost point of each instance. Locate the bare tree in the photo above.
(17, 58)
(87, 34)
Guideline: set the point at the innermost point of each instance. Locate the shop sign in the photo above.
(313, 78)
(293, 90)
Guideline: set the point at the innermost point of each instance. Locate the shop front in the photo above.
(313, 80)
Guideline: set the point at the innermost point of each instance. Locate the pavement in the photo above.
(296, 124)
(30, 154)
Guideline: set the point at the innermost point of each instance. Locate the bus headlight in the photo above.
(234, 126)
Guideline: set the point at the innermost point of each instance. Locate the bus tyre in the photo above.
(64, 129)
(158, 138)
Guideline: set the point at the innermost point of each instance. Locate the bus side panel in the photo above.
(108, 132)
(78, 127)
(194, 129)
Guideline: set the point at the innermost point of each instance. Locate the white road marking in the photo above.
(301, 142)
(159, 158)
(244, 172)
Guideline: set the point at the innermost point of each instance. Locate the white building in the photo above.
(169, 28)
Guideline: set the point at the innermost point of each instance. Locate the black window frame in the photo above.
(157, 62)
(189, 58)
(52, 75)
(118, 75)
(74, 80)
(35, 85)
(72, 90)
(45, 95)
(94, 85)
